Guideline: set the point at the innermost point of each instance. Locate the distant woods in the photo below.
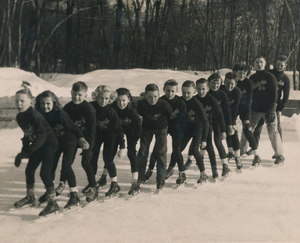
(78, 36)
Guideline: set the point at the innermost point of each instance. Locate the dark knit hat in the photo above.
(282, 58)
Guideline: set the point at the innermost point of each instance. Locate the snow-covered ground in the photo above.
(260, 205)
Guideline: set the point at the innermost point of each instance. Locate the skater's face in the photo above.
(280, 65)
(152, 97)
(187, 93)
(122, 101)
(46, 104)
(103, 98)
(202, 89)
(78, 96)
(230, 84)
(260, 64)
(23, 102)
(215, 84)
(241, 74)
(170, 91)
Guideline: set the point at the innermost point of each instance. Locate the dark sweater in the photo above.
(84, 117)
(213, 111)
(154, 116)
(108, 123)
(234, 97)
(246, 87)
(264, 91)
(37, 132)
(283, 84)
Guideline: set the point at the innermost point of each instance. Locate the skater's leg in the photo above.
(275, 138)
(160, 151)
(67, 162)
(96, 152)
(258, 129)
(195, 148)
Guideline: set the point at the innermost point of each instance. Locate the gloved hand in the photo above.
(247, 126)
(87, 154)
(121, 153)
(230, 130)
(271, 114)
(203, 145)
(83, 144)
(18, 159)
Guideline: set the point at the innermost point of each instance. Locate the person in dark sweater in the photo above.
(234, 96)
(283, 84)
(68, 135)
(155, 113)
(196, 128)
(39, 146)
(176, 128)
(246, 87)
(215, 118)
(110, 134)
(132, 127)
(83, 114)
(264, 106)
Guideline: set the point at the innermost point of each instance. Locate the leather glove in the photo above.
(18, 159)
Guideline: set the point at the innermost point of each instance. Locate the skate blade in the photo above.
(86, 203)
(24, 207)
(133, 195)
(102, 187)
(71, 209)
(177, 186)
(106, 198)
(203, 183)
(45, 218)
(277, 165)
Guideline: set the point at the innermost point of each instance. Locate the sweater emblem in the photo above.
(59, 130)
(29, 133)
(280, 83)
(260, 85)
(174, 114)
(80, 123)
(153, 117)
(191, 115)
(126, 121)
(103, 124)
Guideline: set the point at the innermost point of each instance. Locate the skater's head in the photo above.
(260, 63)
(170, 88)
(152, 94)
(188, 90)
(102, 95)
(241, 71)
(214, 81)
(124, 98)
(47, 101)
(230, 81)
(113, 96)
(23, 99)
(281, 63)
(79, 92)
(202, 87)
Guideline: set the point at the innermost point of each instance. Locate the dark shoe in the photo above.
(225, 171)
(147, 175)
(238, 163)
(91, 194)
(230, 155)
(160, 184)
(203, 177)
(113, 190)
(256, 162)
(73, 201)
(28, 200)
(60, 188)
(85, 189)
(102, 181)
(279, 160)
(249, 152)
(44, 198)
(181, 179)
(135, 188)
(170, 172)
(187, 164)
(215, 173)
(50, 208)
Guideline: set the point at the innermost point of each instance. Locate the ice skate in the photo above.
(279, 160)
(274, 156)
(147, 175)
(51, 207)
(187, 164)
(29, 200)
(249, 152)
(134, 189)
(44, 198)
(160, 184)
(238, 163)
(225, 171)
(256, 162)
(60, 188)
(181, 179)
(203, 178)
(113, 190)
(230, 155)
(101, 183)
(215, 173)
(170, 172)
(91, 194)
(73, 201)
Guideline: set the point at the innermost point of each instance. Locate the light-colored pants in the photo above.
(272, 132)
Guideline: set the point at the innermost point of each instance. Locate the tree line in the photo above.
(78, 36)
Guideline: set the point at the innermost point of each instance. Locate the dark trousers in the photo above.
(218, 141)
(131, 153)
(67, 173)
(43, 155)
(110, 147)
(194, 148)
(159, 151)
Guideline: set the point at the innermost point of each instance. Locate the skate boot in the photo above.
(238, 163)
(225, 171)
(160, 184)
(170, 172)
(28, 200)
(187, 164)
(279, 160)
(230, 155)
(181, 179)
(51, 207)
(91, 194)
(203, 177)
(147, 175)
(135, 188)
(113, 190)
(249, 152)
(73, 201)
(60, 188)
(102, 182)
(274, 156)
(85, 189)
(215, 173)
(256, 162)
(43, 198)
